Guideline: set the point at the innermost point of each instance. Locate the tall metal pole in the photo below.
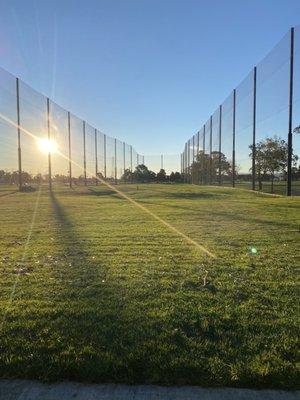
(203, 158)
(19, 137)
(220, 145)
(197, 156)
(49, 138)
(254, 131)
(84, 154)
(290, 132)
(104, 150)
(189, 160)
(210, 151)
(181, 163)
(70, 149)
(116, 176)
(233, 139)
(96, 157)
(161, 161)
(185, 163)
(124, 162)
(193, 166)
(131, 164)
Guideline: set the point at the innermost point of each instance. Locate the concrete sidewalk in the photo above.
(32, 390)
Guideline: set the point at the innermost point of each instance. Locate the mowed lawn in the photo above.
(94, 289)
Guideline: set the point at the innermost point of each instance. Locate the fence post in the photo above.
(254, 131)
(104, 154)
(116, 161)
(290, 132)
(19, 137)
(96, 157)
(220, 145)
(84, 153)
(70, 153)
(233, 139)
(49, 138)
(210, 151)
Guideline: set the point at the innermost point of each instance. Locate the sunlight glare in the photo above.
(47, 146)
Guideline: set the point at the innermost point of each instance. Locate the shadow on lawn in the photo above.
(74, 251)
(182, 195)
(9, 193)
(103, 192)
(248, 218)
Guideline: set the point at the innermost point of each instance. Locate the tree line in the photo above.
(141, 174)
(271, 160)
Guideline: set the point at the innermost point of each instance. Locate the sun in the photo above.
(47, 146)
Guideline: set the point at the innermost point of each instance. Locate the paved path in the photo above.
(32, 390)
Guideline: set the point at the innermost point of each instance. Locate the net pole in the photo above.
(290, 131)
(70, 149)
(19, 136)
(49, 138)
(254, 131)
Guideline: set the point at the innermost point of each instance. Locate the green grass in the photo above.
(280, 187)
(106, 293)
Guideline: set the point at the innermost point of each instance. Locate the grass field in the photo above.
(92, 288)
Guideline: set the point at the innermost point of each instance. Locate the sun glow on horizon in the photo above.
(47, 146)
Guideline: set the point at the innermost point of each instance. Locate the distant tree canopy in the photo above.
(12, 178)
(271, 158)
(175, 177)
(161, 176)
(142, 174)
(206, 167)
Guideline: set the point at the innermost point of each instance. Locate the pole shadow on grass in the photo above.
(89, 313)
(104, 192)
(74, 252)
(9, 193)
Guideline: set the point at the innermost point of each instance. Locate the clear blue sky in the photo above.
(146, 71)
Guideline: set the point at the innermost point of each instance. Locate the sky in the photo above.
(148, 72)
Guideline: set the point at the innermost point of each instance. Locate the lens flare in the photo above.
(253, 250)
(47, 146)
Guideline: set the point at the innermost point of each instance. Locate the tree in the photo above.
(271, 157)
(175, 177)
(199, 170)
(207, 166)
(297, 129)
(127, 176)
(161, 176)
(143, 174)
